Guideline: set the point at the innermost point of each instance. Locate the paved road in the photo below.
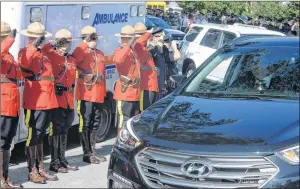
(89, 176)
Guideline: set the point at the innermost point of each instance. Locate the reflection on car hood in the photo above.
(174, 32)
(249, 125)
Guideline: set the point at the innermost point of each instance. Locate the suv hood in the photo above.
(254, 126)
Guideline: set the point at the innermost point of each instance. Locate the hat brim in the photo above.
(4, 34)
(67, 39)
(120, 35)
(84, 35)
(25, 32)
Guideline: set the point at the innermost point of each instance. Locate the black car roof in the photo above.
(265, 41)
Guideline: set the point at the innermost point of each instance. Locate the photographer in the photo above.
(171, 55)
(155, 48)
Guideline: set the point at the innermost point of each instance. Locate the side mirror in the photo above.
(176, 81)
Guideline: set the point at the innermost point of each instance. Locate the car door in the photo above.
(208, 45)
(188, 44)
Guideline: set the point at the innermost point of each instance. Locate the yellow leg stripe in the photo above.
(142, 101)
(51, 129)
(80, 116)
(27, 117)
(120, 114)
(29, 136)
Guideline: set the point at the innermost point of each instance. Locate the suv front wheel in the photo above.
(190, 69)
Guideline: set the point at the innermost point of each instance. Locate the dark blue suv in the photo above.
(234, 123)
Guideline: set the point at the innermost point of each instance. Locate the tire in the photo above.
(105, 123)
(190, 69)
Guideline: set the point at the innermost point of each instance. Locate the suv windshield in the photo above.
(249, 72)
(160, 23)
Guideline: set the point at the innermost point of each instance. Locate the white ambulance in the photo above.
(106, 17)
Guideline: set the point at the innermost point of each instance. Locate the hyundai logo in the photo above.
(196, 168)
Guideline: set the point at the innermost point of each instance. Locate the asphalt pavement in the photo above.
(88, 176)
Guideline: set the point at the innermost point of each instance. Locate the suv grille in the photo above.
(161, 169)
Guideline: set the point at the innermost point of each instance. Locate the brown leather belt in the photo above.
(94, 78)
(40, 78)
(9, 80)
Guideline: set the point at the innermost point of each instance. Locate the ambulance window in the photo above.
(85, 12)
(36, 14)
(141, 10)
(133, 11)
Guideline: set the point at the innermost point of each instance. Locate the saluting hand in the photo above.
(174, 45)
(60, 42)
(38, 41)
(13, 33)
(90, 37)
(131, 41)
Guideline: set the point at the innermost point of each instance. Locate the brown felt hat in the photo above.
(36, 29)
(88, 30)
(127, 31)
(63, 33)
(140, 28)
(5, 29)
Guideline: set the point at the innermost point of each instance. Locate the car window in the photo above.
(261, 71)
(219, 72)
(227, 37)
(211, 39)
(193, 33)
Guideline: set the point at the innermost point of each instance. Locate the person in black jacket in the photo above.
(171, 55)
(156, 49)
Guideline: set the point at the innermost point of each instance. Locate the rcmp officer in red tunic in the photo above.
(10, 102)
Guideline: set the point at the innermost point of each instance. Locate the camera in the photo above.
(167, 38)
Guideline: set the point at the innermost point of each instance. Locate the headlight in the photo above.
(126, 139)
(290, 155)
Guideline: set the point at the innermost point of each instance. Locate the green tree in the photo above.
(277, 11)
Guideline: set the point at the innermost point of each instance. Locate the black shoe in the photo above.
(58, 169)
(71, 167)
(90, 159)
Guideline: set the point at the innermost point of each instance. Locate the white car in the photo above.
(203, 40)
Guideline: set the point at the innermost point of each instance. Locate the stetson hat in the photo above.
(140, 28)
(63, 33)
(36, 29)
(127, 31)
(88, 30)
(5, 29)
